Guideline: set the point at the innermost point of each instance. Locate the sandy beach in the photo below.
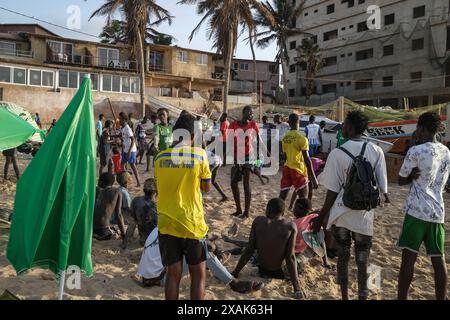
(114, 267)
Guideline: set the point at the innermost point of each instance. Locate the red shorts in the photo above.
(293, 178)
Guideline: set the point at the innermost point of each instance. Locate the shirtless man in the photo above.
(108, 200)
(273, 237)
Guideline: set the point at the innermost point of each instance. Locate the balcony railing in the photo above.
(16, 53)
(92, 61)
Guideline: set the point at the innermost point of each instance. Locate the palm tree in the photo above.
(224, 18)
(116, 32)
(279, 28)
(310, 55)
(137, 14)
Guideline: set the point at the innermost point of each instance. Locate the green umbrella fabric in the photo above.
(53, 210)
(14, 131)
(39, 136)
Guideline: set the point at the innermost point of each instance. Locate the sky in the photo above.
(57, 12)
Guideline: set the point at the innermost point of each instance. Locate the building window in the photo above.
(182, 56)
(292, 45)
(244, 66)
(40, 78)
(330, 35)
(7, 48)
(314, 39)
(108, 57)
(389, 19)
(20, 76)
(330, 61)
(388, 50)
(61, 51)
(202, 59)
(306, 14)
(5, 74)
(448, 38)
(350, 26)
(330, 8)
(362, 26)
(350, 3)
(418, 44)
(272, 68)
(416, 77)
(329, 88)
(388, 81)
(363, 84)
(134, 83)
(126, 84)
(361, 1)
(292, 68)
(303, 66)
(47, 79)
(68, 79)
(235, 66)
(291, 92)
(418, 12)
(364, 54)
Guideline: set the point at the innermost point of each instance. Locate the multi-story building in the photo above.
(243, 75)
(41, 71)
(407, 57)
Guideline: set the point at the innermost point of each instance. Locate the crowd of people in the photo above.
(170, 217)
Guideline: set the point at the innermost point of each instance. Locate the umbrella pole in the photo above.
(62, 282)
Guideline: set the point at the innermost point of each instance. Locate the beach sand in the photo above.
(114, 267)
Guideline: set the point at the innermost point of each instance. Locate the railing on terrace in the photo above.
(92, 61)
(16, 53)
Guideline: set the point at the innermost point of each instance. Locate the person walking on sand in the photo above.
(351, 224)
(246, 132)
(129, 151)
(297, 170)
(10, 156)
(314, 134)
(182, 174)
(426, 168)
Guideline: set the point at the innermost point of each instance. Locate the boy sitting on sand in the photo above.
(304, 214)
(143, 213)
(273, 238)
(108, 200)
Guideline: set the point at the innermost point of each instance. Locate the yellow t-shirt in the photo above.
(293, 144)
(178, 173)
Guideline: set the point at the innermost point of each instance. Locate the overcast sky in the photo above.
(56, 12)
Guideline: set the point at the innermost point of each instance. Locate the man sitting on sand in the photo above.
(143, 213)
(273, 238)
(108, 200)
(426, 168)
(153, 273)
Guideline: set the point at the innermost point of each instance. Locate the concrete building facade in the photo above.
(408, 56)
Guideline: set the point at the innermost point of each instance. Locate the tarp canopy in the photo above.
(39, 135)
(14, 131)
(53, 209)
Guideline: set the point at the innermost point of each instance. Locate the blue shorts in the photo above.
(131, 160)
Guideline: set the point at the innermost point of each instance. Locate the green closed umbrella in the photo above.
(14, 131)
(52, 219)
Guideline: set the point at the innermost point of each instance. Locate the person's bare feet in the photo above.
(236, 214)
(245, 286)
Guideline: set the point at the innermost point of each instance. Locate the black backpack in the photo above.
(361, 189)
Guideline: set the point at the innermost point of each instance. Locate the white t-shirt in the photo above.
(425, 200)
(282, 128)
(334, 178)
(127, 133)
(313, 130)
(151, 265)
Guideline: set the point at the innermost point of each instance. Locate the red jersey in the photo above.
(223, 129)
(116, 158)
(250, 137)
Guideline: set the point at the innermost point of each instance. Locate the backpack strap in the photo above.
(348, 153)
(363, 149)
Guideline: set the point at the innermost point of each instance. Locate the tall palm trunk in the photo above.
(141, 71)
(255, 73)
(228, 61)
(285, 81)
